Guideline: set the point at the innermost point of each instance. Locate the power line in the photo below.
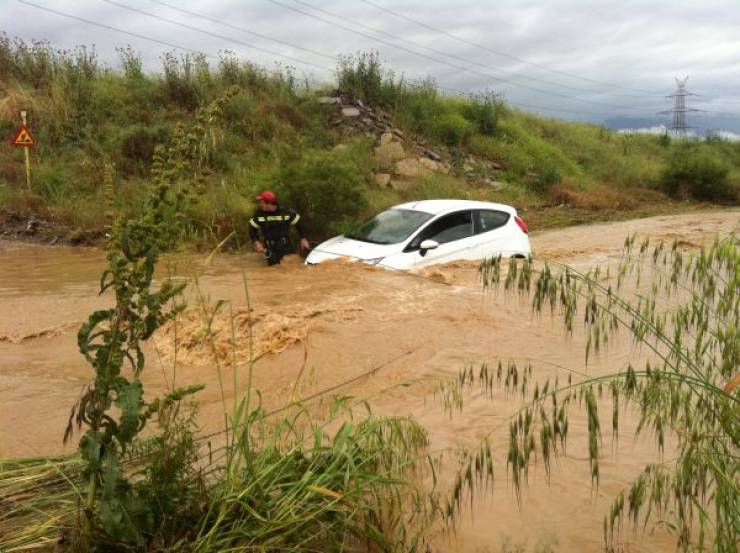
(110, 28)
(335, 58)
(213, 56)
(453, 56)
(432, 58)
(215, 35)
(244, 30)
(329, 56)
(503, 54)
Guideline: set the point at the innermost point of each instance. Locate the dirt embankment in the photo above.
(360, 330)
(30, 228)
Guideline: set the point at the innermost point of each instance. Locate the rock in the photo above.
(398, 133)
(390, 152)
(433, 155)
(496, 184)
(367, 120)
(410, 167)
(360, 104)
(496, 165)
(32, 226)
(444, 168)
(330, 100)
(339, 147)
(382, 179)
(350, 112)
(386, 138)
(429, 164)
(400, 184)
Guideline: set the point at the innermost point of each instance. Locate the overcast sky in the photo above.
(574, 59)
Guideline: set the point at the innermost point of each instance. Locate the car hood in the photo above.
(341, 246)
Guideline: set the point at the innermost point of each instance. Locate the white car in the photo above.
(418, 234)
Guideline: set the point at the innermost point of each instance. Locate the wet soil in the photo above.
(315, 328)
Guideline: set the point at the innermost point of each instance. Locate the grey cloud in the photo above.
(638, 44)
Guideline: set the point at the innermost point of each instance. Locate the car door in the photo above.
(454, 232)
(492, 233)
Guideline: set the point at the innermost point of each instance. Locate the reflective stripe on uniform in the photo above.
(296, 219)
(252, 223)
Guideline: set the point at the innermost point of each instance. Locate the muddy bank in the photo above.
(39, 230)
(314, 328)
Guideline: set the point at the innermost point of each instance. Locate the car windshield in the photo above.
(390, 227)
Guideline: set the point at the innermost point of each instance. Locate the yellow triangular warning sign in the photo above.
(23, 137)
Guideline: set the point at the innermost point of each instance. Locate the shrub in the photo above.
(416, 106)
(361, 77)
(483, 112)
(287, 113)
(181, 80)
(547, 176)
(696, 171)
(451, 129)
(137, 147)
(326, 188)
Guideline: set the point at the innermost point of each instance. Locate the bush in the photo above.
(451, 129)
(546, 177)
(182, 79)
(361, 77)
(137, 147)
(326, 188)
(483, 112)
(696, 171)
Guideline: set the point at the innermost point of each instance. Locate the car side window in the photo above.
(487, 220)
(454, 226)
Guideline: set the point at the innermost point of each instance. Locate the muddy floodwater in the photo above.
(317, 327)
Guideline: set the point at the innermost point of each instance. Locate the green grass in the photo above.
(269, 128)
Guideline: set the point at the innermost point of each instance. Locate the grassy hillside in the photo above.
(237, 128)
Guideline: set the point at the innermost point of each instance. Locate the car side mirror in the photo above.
(427, 245)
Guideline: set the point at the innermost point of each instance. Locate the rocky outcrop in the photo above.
(389, 153)
(403, 159)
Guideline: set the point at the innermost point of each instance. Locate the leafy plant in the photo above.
(483, 111)
(361, 77)
(696, 171)
(324, 187)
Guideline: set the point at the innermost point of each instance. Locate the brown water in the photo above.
(315, 327)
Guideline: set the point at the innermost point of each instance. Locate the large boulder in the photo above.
(386, 138)
(400, 184)
(429, 163)
(389, 153)
(410, 167)
(382, 179)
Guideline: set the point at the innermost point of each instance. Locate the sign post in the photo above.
(24, 139)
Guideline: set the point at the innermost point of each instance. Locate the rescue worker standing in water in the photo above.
(273, 222)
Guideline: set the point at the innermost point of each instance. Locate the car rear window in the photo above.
(488, 220)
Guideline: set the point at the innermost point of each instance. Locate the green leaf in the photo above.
(83, 335)
(129, 400)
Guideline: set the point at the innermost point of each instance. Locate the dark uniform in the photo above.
(275, 229)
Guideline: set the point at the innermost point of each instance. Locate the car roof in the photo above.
(435, 207)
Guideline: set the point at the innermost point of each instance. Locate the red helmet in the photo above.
(267, 196)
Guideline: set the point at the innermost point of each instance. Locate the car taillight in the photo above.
(521, 224)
